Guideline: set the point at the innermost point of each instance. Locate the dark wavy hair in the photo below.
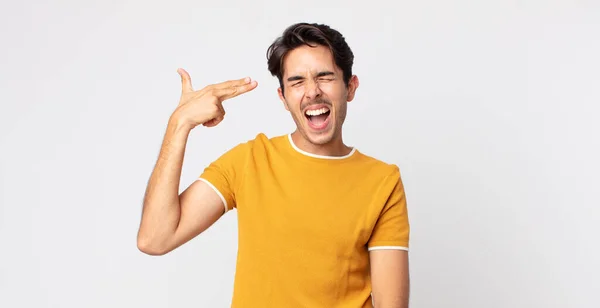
(310, 34)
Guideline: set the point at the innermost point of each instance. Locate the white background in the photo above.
(490, 108)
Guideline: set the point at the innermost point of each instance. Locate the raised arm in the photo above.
(170, 219)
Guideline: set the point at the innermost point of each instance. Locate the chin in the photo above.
(319, 139)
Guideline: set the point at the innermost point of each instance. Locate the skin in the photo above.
(390, 278)
(168, 219)
(310, 77)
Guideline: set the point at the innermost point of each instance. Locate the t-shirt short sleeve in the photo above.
(225, 173)
(392, 229)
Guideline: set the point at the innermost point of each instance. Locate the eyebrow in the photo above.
(320, 74)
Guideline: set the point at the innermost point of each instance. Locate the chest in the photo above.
(329, 213)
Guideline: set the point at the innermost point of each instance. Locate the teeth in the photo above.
(317, 111)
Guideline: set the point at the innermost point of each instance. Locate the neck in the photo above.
(335, 147)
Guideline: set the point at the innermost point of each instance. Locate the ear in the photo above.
(352, 86)
(282, 98)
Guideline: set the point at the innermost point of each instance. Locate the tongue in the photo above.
(319, 119)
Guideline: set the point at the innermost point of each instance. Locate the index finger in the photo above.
(232, 83)
(233, 91)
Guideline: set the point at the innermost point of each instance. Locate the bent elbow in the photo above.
(149, 247)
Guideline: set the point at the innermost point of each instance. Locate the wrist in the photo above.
(179, 123)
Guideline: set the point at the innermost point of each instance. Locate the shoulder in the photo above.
(262, 142)
(383, 170)
(259, 142)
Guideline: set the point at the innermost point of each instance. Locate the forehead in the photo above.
(306, 59)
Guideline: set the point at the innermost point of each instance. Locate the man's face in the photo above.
(315, 93)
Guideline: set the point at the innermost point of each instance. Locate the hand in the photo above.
(205, 106)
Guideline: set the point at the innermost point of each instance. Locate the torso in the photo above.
(304, 223)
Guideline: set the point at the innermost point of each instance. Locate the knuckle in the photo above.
(217, 109)
(210, 88)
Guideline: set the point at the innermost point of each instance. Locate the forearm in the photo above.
(161, 209)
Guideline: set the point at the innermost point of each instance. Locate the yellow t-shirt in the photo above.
(306, 222)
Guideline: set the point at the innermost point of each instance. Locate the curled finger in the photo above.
(214, 122)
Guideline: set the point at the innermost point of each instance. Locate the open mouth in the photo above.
(318, 118)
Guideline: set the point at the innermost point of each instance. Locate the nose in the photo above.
(313, 90)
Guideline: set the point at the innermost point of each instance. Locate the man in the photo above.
(320, 223)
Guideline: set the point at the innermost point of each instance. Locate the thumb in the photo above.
(186, 81)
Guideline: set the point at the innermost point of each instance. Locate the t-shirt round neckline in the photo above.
(317, 156)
